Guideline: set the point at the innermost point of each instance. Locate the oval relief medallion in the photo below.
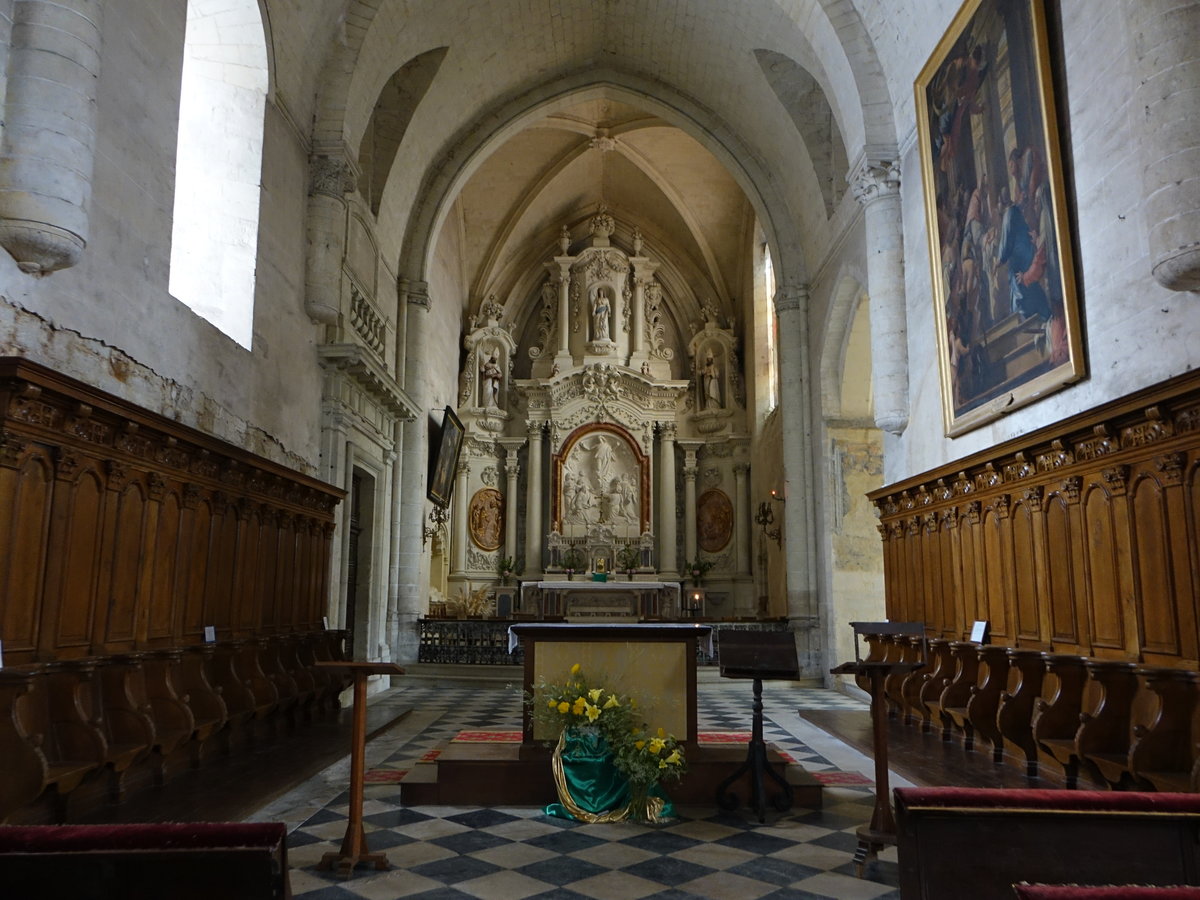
(714, 521)
(485, 519)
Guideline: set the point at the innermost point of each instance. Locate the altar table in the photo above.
(604, 599)
(654, 663)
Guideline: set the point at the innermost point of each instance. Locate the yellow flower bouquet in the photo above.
(607, 765)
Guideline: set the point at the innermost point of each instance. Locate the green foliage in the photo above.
(628, 558)
(510, 566)
(644, 758)
(573, 559)
(698, 568)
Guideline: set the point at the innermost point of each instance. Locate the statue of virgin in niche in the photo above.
(601, 310)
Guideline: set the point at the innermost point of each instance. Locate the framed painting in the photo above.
(444, 462)
(1007, 314)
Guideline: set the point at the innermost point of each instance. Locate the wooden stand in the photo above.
(354, 844)
(881, 830)
(754, 655)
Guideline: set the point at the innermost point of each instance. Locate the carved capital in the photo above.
(118, 475)
(333, 176)
(192, 495)
(66, 465)
(791, 298)
(875, 180)
(667, 431)
(11, 449)
(416, 293)
(690, 473)
(1170, 465)
(974, 510)
(1071, 489)
(1116, 479)
(1000, 505)
(1032, 497)
(156, 485)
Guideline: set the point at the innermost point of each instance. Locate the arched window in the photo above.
(772, 330)
(218, 164)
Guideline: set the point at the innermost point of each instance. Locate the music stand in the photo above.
(354, 845)
(757, 655)
(882, 829)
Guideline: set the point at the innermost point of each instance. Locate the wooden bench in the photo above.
(194, 861)
(978, 843)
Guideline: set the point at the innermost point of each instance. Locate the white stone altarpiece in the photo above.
(584, 452)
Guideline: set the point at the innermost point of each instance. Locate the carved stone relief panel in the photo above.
(486, 519)
(714, 520)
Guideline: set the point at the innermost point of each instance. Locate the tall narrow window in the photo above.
(772, 329)
(218, 164)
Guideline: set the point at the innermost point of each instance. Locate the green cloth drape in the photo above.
(590, 786)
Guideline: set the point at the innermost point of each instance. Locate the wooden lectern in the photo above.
(354, 844)
(882, 829)
(757, 655)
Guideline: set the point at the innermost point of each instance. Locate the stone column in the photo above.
(1166, 120)
(512, 469)
(690, 471)
(459, 532)
(643, 271)
(791, 306)
(332, 175)
(876, 185)
(45, 185)
(535, 536)
(741, 518)
(563, 356)
(668, 562)
(410, 599)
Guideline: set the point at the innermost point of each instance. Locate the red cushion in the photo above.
(1106, 892)
(154, 836)
(1025, 798)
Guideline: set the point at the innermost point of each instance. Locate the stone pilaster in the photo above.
(332, 175)
(535, 537)
(741, 518)
(876, 185)
(45, 185)
(1166, 112)
(563, 355)
(512, 470)
(667, 562)
(459, 533)
(690, 471)
(791, 306)
(410, 596)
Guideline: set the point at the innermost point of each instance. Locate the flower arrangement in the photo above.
(628, 559)
(644, 759)
(508, 567)
(572, 561)
(697, 569)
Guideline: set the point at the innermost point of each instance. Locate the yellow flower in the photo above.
(656, 745)
(611, 702)
(552, 703)
(575, 669)
(593, 712)
(674, 758)
(595, 693)
(661, 733)
(662, 763)
(639, 744)
(580, 703)
(564, 707)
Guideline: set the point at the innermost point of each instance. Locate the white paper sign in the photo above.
(210, 634)
(325, 622)
(979, 631)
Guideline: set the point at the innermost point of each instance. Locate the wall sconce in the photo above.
(765, 518)
(437, 520)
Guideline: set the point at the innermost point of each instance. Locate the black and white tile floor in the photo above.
(521, 854)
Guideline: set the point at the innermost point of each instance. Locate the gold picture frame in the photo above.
(1003, 274)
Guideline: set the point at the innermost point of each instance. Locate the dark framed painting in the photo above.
(1007, 314)
(444, 462)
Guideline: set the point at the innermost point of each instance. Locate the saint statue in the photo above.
(710, 380)
(489, 382)
(601, 308)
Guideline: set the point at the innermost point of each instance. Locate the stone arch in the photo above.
(472, 143)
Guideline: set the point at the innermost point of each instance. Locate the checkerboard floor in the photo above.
(519, 853)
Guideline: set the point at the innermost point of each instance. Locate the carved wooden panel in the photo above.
(125, 530)
(1083, 537)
